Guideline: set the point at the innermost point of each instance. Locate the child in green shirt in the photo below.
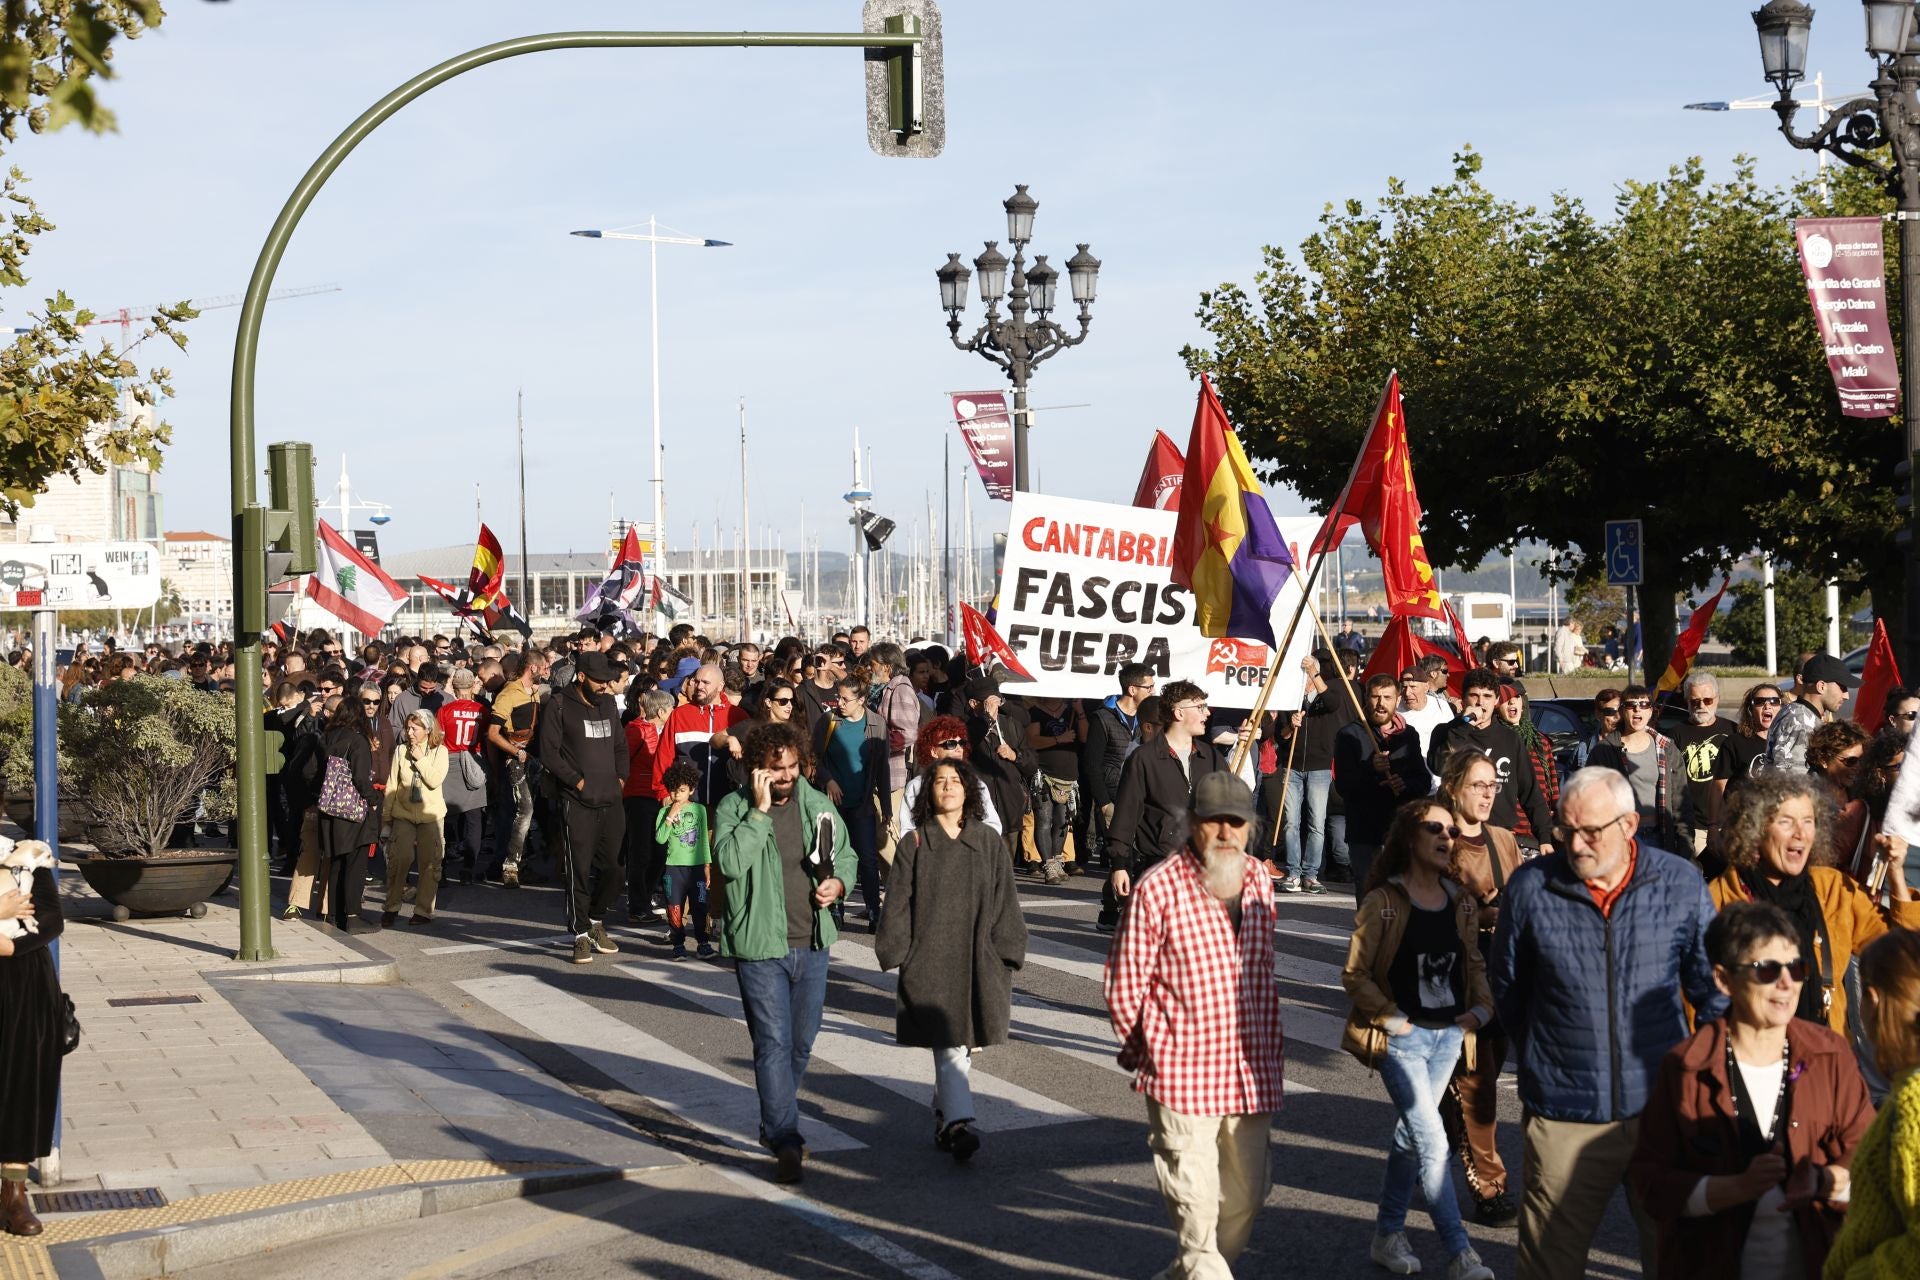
(682, 830)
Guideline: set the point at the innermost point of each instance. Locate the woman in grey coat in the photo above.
(954, 930)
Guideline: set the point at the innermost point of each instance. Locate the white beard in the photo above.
(1225, 871)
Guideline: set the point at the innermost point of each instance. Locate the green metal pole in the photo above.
(249, 704)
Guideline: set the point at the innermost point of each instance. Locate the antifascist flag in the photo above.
(1878, 678)
(351, 587)
(612, 601)
(984, 642)
(1226, 548)
(1689, 643)
(1379, 497)
(489, 566)
(1160, 480)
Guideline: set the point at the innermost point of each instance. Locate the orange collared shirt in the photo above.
(1605, 898)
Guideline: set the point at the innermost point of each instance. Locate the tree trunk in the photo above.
(1657, 591)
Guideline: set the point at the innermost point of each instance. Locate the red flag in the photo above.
(1689, 644)
(1399, 648)
(1380, 498)
(1159, 487)
(1879, 678)
(984, 642)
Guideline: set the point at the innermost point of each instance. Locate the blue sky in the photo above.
(1176, 139)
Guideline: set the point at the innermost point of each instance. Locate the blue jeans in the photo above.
(783, 999)
(686, 897)
(1415, 1071)
(1307, 828)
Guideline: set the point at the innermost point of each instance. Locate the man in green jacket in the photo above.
(781, 850)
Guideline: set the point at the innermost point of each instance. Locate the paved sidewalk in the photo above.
(289, 1083)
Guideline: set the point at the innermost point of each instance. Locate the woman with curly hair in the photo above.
(1775, 836)
(1835, 752)
(954, 930)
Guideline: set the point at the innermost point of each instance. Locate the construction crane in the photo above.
(127, 317)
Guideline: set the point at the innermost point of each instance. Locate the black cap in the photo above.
(1824, 666)
(593, 665)
(981, 688)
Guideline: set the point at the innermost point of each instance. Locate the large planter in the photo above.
(159, 886)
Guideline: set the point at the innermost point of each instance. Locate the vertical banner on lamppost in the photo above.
(988, 431)
(1845, 261)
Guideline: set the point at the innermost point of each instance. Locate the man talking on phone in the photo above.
(781, 849)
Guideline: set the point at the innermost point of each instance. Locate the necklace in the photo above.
(1779, 1099)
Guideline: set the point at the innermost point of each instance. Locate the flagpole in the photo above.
(1279, 656)
(1286, 779)
(520, 430)
(1348, 682)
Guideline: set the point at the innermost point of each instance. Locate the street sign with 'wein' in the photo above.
(79, 575)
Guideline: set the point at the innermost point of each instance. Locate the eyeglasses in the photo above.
(1904, 715)
(1485, 788)
(370, 702)
(1703, 702)
(1439, 829)
(1767, 702)
(782, 702)
(1637, 704)
(1191, 706)
(1604, 712)
(1567, 835)
(951, 744)
(1767, 972)
(1853, 758)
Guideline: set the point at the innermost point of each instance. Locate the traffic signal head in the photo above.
(906, 87)
(290, 500)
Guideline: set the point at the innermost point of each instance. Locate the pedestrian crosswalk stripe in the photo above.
(867, 1052)
(495, 944)
(702, 1095)
(1083, 1037)
(1305, 1023)
(896, 1256)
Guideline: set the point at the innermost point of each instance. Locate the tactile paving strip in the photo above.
(272, 1195)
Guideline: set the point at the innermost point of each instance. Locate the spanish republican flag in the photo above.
(1689, 643)
(1379, 497)
(1878, 678)
(1226, 548)
(483, 580)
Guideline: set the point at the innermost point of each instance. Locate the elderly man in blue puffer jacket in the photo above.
(1595, 946)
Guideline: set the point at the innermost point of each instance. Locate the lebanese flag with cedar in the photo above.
(351, 587)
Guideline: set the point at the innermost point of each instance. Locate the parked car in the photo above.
(1567, 721)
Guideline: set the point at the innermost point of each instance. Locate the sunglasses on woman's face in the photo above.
(1766, 702)
(782, 702)
(1637, 704)
(952, 744)
(369, 702)
(1439, 829)
(1767, 972)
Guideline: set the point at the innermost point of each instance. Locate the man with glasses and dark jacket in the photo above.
(1155, 792)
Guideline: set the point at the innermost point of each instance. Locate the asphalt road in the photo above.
(1063, 1185)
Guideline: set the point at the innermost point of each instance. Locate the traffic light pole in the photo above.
(249, 583)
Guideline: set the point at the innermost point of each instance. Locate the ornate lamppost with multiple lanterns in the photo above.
(1025, 335)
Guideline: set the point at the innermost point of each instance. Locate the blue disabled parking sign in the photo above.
(1623, 553)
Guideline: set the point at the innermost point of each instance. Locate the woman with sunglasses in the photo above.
(776, 701)
(1835, 753)
(1654, 767)
(1743, 1151)
(1419, 991)
(942, 738)
(344, 844)
(1746, 750)
(1777, 831)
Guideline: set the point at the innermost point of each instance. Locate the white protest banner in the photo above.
(1088, 586)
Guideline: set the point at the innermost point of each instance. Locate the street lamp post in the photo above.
(1025, 336)
(654, 240)
(1889, 118)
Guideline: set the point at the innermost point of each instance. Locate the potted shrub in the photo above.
(16, 741)
(148, 755)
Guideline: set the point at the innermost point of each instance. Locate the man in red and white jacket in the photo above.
(1191, 991)
(704, 733)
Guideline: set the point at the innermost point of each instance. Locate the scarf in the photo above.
(1794, 895)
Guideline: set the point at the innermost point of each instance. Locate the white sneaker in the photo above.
(1291, 884)
(1395, 1254)
(1466, 1265)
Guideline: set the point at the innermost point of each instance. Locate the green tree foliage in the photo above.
(142, 755)
(1799, 620)
(60, 405)
(1560, 369)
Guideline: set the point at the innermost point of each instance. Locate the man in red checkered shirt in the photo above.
(1191, 991)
